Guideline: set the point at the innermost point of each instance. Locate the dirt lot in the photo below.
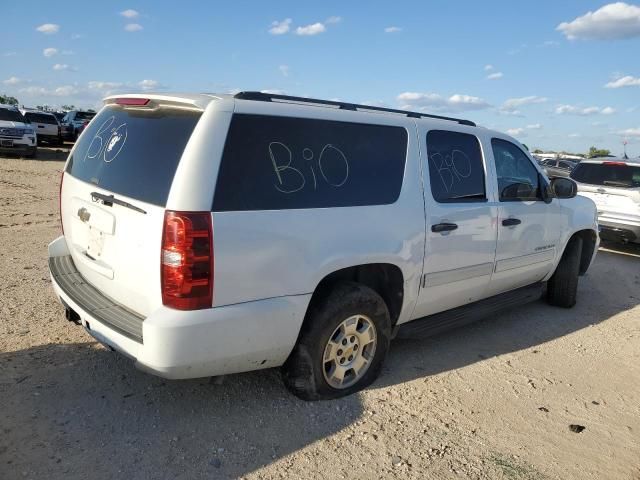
(494, 400)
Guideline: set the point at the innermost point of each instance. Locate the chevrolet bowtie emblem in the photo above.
(84, 214)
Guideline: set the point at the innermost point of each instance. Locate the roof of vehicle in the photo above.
(8, 107)
(33, 110)
(611, 159)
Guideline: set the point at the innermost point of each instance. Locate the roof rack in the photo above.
(269, 97)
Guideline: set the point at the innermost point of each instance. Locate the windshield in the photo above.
(41, 118)
(11, 115)
(133, 152)
(612, 174)
(84, 115)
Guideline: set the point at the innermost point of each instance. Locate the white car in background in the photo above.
(614, 185)
(45, 124)
(17, 135)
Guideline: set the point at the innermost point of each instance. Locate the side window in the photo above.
(456, 170)
(279, 163)
(564, 165)
(517, 177)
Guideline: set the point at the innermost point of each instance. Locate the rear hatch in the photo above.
(113, 196)
(43, 123)
(614, 187)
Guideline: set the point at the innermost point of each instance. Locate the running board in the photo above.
(457, 317)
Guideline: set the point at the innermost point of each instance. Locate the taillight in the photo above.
(134, 102)
(187, 260)
(619, 164)
(60, 202)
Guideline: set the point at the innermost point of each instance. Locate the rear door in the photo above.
(113, 197)
(461, 222)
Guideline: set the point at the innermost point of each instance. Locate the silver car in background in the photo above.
(614, 186)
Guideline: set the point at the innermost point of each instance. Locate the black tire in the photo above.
(303, 371)
(562, 288)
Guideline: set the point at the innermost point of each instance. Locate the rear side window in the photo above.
(133, 152)
(41, 118)
(456, 170)
(611, 174)
(84, 115)
(276, 163)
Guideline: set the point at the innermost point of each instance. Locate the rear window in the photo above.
(10, 115)
(618, 175)
(133, 152)
(84, 115)
(41, 118)
(275, 163)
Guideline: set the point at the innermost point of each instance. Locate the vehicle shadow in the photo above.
(525, 327)
(67, 407)
(53, 153)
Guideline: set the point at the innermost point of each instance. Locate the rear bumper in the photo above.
(189, 344)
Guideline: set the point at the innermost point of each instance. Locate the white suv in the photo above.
(207, 235)
(17, 135)
(614, 185)
(46, 124)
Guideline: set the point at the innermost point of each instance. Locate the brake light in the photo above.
(60, 201)
(139, 102)
(623, 164)
(187, 260)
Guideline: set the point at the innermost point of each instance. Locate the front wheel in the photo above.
(342, 345)
(562, 288)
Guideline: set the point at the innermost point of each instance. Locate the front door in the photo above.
(527, 234)
(460, 222)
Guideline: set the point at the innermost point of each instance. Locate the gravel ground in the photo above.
(491, 401)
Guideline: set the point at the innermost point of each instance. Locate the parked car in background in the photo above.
(337, 227)
(17, 135)
(46, 126)
(74, 122)
(614, 186)
(557, 167)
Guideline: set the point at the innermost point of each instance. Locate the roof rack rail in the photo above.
(269, 97)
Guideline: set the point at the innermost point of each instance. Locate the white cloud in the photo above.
(97, 85)
(574, 135)
(63, 91)
(517, 132)
(392, 29)
(550, 43)
(627, 81)
(133, 27)
(613, 21)
(435, 102)
(63, 66)
(130, 13)
(77, 36)
(280, 28)
(148, 84)
(284, 70)
(12, 81)
(50, 52)
(495, 76)
(630, 132)
(583, 111)
(333, 20)
(511, 105)
(488, 68)
(312, 29)
(9, 54)
(48, 28)
(534, 126)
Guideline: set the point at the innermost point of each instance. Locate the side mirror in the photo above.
(564, 187)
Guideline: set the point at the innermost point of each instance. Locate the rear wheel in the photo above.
(342, 345)
(562, 288)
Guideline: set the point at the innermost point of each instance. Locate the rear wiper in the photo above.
(109, 200)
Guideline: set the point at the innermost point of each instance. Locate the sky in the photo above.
(555, 75)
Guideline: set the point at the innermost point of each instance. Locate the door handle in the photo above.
(511, 222)
(443, 227)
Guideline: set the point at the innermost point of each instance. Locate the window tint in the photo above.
(41, 118)
(612, 174)
(84, 116)
(456, 171)
(133, 152)
(548, 162)
(565, 165)
(517, 177)
(275, 163)
(11, 115)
